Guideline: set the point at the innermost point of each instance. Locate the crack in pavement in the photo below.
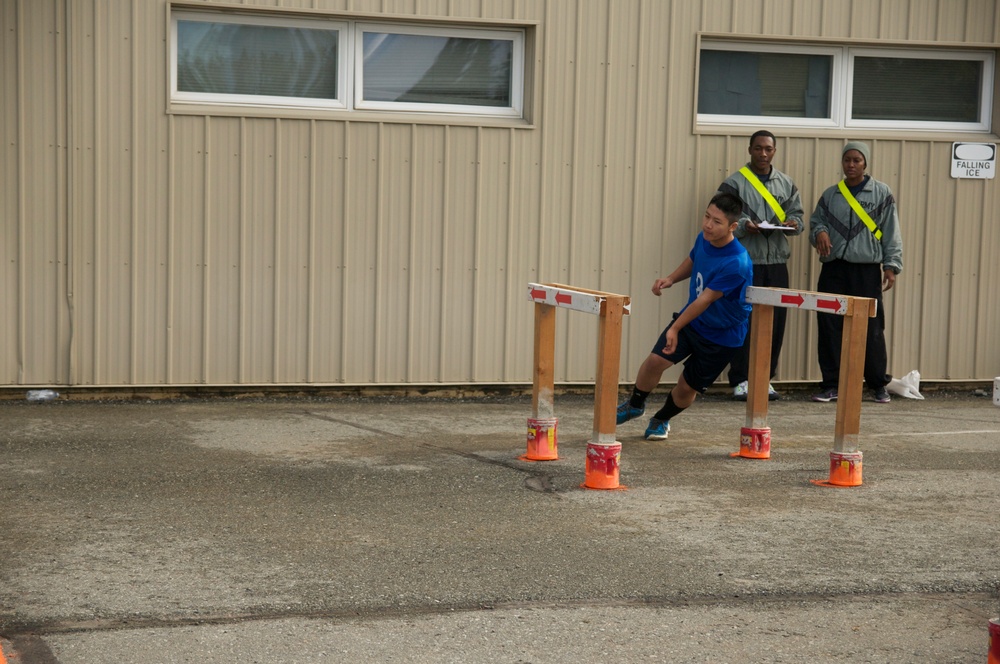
(27, 632)
(538, 482)
(348, 423)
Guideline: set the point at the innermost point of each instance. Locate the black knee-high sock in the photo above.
(669, 409)
(638, 398)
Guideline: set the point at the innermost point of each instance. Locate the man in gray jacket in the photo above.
(772, 209)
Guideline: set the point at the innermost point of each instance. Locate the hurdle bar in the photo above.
(603, 452)
(755, 437)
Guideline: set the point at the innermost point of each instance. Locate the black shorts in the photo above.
(703, 360)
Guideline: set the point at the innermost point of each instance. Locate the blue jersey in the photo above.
(728, 270)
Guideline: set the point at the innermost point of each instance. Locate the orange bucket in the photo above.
(845, 468)
(542, 439)
(993, 656)
(602, 465)
(754, 443)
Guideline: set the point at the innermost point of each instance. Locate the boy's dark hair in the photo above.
(729, 205)
(762, 132)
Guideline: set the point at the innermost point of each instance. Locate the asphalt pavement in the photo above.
(389, 529)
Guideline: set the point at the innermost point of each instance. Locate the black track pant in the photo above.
(773, 276)
(861, 280)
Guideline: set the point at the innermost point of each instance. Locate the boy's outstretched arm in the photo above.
(692, 311)
(682, 272)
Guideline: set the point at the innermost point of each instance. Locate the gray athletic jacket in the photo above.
(851, 239)
(766, 247)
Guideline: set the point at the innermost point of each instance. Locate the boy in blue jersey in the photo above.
(710, 328)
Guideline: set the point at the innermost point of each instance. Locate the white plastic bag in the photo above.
(908, 386)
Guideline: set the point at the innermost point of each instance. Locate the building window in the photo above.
(916, 89)
(448, 71)
(786, 85)
(844, 87)
(345, 65)
(251, 60)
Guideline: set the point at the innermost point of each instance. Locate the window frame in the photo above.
(842, 79)
(773, 120)
(341, 102)
(350, 64)
(516, 79)
(985, 93)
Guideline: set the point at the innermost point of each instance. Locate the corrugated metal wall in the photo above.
(147, 248)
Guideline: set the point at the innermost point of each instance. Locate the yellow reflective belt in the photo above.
(762, 190)
(860, 211)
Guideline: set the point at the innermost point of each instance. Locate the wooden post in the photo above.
(609, 344)
(543, 385)
(755, 435)
(852, 374)
(761, 327)
(846, 460)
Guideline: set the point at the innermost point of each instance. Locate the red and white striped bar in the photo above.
(557, 295)
(805, 300)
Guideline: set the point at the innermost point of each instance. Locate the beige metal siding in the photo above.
(12, 320)
(143, 247)
(35, 317)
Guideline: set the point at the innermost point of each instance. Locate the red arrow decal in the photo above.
(537, 294)
(828, 304)
(563, 298)
(796, 299)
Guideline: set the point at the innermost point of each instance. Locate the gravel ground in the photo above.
(398, 528)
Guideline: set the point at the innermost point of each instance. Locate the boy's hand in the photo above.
(660, 284)
(671, 344)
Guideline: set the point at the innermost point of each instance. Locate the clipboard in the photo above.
(767, 226)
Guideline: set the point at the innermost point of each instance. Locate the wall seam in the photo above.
(22, 298)
(99, 172)
(133, 205)
(477, 232)
(278, 217)
(311, 260)
(206, 284)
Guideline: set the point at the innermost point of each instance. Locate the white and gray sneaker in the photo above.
(740, 392)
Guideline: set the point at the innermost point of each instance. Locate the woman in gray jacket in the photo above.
(855, 229)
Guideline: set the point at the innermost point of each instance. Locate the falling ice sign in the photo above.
(974, 160)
